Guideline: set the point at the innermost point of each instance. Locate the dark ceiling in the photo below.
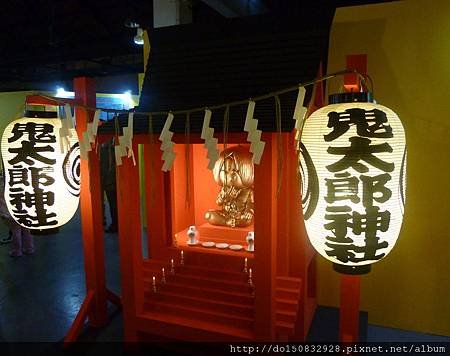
(48, 42)
(55, 40)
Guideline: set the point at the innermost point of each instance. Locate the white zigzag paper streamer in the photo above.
(254, 135)
(125, 146)
(210, 141)
(69, 118)
(64, 131)
(165, 137)
(299, 116)
(89, 135)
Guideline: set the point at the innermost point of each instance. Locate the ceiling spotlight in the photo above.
(139, 38)
(131, 24)
(61, 93)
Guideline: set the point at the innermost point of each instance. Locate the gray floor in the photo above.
(40, 295)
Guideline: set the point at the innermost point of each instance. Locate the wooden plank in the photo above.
(91, 210)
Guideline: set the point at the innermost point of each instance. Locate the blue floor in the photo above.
(41, 294)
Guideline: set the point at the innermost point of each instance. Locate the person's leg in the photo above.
(16, 250)
(28, 242)
(111, 195)
(103, 207)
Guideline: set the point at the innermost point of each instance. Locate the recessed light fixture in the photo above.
(139, 38)
(62, 93)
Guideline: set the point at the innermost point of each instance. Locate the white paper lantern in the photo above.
(353, 163)
(42, 174)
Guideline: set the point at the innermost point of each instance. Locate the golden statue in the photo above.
(234, 172)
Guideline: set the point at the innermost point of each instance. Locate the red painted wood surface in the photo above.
(182, 192)
(158, 208)
(40, 100)
(265, 241)
(203, 299)
(301, 253)
(91, 209)
(349, 309)
(130, 245)
(77, 324)
(356, 62)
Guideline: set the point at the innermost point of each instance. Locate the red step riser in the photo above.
(282, 294)
(198, 315)
(231, 276)
(283, 306)
(206, 305)
(282, 330)
(148, 266)
(227, 263)
(286, 318)
(209, 294)
(288, 284)
(187, 280)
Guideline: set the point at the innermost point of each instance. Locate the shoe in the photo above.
(111, 229)
(28, 251)
(15, 253)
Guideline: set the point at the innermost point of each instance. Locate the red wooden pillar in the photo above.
(350, 284)
(91, 210)
(349, 308)
(158, 206)
(301, 253)
(265, 242)
(130, 244)
(356, 62)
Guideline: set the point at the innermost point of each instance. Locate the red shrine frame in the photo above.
(283, 264)
(284, 276)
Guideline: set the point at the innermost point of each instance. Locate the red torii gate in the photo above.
(94, 306)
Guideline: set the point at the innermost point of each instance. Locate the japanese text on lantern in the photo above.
(31, 176)
(358, 185)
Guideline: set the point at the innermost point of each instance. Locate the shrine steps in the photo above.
(199, 312)
(236, 309)
(210, 304)
(287, 297)
(177, 327)
(210, 293)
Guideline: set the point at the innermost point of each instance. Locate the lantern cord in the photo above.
(368, 77)
(116, 142)
(116, 130)
(187, 155)
(226, 118)
(73, 103)
(279, 144)
(152, 162)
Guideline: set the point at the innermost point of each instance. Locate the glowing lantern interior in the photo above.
(353, 162)
(42, 173)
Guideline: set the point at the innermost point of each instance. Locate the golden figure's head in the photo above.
(234, 168)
